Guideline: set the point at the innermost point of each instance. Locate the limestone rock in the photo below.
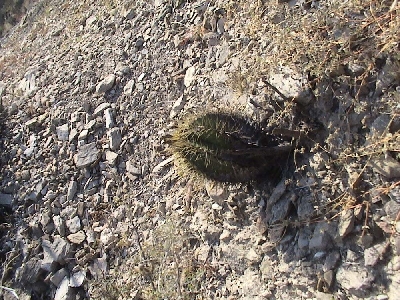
(106, 84)
(292, 85)
(355, 279)
(87, 155)
(55, 252)
(77, 238)
(115, 139)
(63, 132)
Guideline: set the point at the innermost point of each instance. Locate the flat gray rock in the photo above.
(6, 200)
(55, 252)
(87, 155)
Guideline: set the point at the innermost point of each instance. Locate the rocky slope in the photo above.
(92, 206)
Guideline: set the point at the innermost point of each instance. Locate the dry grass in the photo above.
(164, 267)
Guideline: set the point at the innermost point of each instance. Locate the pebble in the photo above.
(108, 115)
(373, 254)
(77, 279)
(77, 238)
(101, 108)
(346, 222)
(63, 132)
(128, 89)
(72, 188)
(115, 139)
(292, 85)
(106, 84)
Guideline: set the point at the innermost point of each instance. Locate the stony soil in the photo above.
(93, 207)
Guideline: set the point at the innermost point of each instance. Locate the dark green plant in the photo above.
(228, 148)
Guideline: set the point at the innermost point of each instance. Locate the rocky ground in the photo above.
(92, 205)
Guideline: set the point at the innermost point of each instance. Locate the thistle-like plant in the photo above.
(227, 147)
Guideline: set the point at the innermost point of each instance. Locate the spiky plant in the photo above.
(226, 147)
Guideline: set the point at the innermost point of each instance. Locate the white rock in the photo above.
(77, 237)
(63, 290)
(177, 107)
(292, 85)
(83, 135)
(59, 225)
(128, 89)
(74, 224)
(189, 76)
(108, 115)
(99, 109)
(111, 157)
(58, 276)
(63, 132)
(107, 237)
(77, 279)
(106, 84)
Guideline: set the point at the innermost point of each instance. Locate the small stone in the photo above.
(355, 279)
(115, 138)
(321, 239)
(122, 69)
(392, 209)
(90, 21)
(31, 123)
(77, 279)
(106, 84)
(72, 188)
(331, 261)
(55, 252)
(128, 89)
(202, 253)
(189, 76)
(253, 256)
(77, 238)
(63, 132)
(63, 291)
(59, 225)
(58, 276)
(72, 134)
(177, 107)
(328, 278)
(292, 85)
(108, 115)
(6, 200)
(373, 254)
(111, 157)
(83, 135)
(216, 206)
(346, 222)
(99, 109)
(74, 224)
(87, 155)
(130, 167)
(107, 237)
(157, 169)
